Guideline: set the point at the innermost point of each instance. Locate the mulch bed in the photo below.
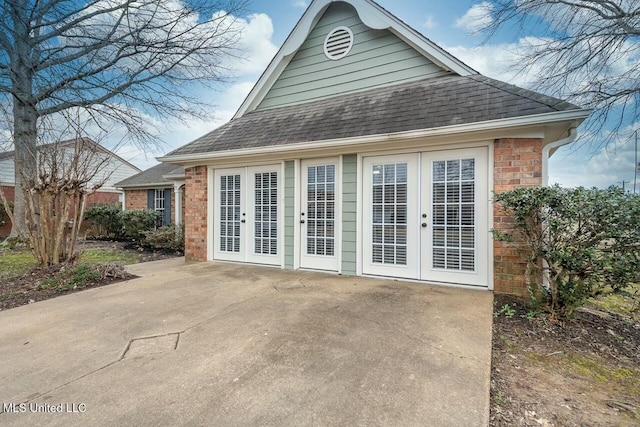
(585, 371)
(40, 284)
(29, 288)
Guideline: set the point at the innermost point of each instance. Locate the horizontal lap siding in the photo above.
(377, 58)
(349, 214)
(289, 220)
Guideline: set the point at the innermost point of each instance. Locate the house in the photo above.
(113, 169)
(366, 149)
(159, 189)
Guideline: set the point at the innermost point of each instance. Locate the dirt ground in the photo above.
(39, 284)
(585, 372)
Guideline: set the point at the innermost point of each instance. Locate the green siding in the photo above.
(378, 58)
(289, 199)
(349, 215)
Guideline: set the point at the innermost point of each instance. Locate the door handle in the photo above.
(302, 221)
(243, 221)
(424, 225)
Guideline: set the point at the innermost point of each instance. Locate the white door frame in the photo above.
(252, 256)
(410, 270)
(319, 262)
(247, 212)
(479, 276)
(218, 254)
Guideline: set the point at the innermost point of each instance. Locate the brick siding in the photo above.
(517, 163)
(195, 214)
(137, 200)
(99, 198)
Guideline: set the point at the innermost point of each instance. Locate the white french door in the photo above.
(389, 215)
(247, 214)
(319, 215)
(425, 216)
(455, 198)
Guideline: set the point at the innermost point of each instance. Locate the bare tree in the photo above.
(117, 60)
(585, 51)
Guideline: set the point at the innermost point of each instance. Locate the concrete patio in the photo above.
(224, 344)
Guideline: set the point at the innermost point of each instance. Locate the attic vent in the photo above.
(338, 43)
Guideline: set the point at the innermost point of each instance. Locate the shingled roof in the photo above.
(152, 176)
(424, 104)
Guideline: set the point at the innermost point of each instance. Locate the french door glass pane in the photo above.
(266, 213)
(389, 214)
(453, 215)
(230, 213)
(321, 210)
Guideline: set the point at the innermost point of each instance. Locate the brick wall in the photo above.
(195, 214)
(517, 163)
(137, 200)
(99, 198)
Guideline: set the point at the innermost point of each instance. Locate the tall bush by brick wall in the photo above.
(195, 213)
(517, 163)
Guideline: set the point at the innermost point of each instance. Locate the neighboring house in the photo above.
(365, 149)
(114, 169)
(156, 189)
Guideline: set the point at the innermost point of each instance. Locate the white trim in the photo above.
(371, 15)
(359, 210)
(339, 212)
(323, 263)
(355, 142)
(296, 214)
(281, 214)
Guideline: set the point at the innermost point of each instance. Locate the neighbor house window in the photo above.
(158, 205)
(159, 200)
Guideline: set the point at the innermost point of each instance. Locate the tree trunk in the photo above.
(25, 114)
(25, 142)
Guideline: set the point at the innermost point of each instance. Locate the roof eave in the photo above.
(575, 117)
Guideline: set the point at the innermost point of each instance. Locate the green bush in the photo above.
(169, 238)
(136, 223)
(105, 220)
(585, 242)
(111, 221)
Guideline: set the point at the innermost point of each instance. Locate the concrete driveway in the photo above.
(222, 344)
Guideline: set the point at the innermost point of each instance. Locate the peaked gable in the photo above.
(377, 58)
(368, 13)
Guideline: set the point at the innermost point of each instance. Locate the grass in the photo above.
(15, 263)
(626, 304)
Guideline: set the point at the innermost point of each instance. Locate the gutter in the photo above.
(546, 153)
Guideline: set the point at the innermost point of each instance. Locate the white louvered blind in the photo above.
(389, 214)
(454, 216)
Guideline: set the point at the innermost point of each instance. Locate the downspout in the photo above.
(546, 153)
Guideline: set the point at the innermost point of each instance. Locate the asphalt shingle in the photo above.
(424, 104)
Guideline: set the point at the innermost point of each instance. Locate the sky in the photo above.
(450, 24)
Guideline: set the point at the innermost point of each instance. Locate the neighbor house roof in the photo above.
(71, 143)
(154, 176)
(425, 104)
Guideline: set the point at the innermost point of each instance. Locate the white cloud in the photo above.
(299, 4)
(255, 45)
(476, 18)
(430, 23)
